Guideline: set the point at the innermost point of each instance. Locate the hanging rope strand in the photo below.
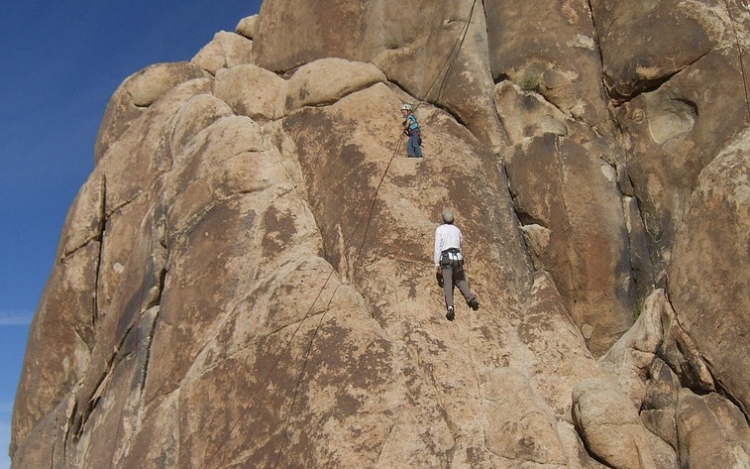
(266, 379)
(450, 60)
(733, 23)
(263, 384)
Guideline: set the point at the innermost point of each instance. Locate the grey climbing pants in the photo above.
(453, 274)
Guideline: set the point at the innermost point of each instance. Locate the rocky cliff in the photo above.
(245, 279)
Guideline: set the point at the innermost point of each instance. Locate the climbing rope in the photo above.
(444, 71)
(446, 67)
(452, 57)
(264, 383)
(733, 23)
(301, 374)
(266, 378)
(442, 76)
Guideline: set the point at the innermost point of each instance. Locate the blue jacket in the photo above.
(413, 124)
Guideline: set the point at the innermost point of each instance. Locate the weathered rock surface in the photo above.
(326, 81)
(712, 432)
(225, 51)
(610, 426)
(710, 271)
(250, 91)
(568, 188)
(551, 52)
(245, 279)
(136, 92)
(419, 52)
(630, 359)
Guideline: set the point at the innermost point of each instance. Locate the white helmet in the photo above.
(448, 216)
(406, 107)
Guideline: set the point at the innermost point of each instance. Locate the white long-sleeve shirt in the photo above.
(446, 237)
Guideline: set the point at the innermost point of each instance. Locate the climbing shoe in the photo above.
(450, 315)
(474, 304)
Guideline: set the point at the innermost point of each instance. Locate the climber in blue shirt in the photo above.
(411, 130)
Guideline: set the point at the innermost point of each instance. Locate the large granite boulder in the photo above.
(710, 270)
(246, 278)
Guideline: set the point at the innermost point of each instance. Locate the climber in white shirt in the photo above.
(449, 263)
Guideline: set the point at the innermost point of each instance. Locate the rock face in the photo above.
(245, 280)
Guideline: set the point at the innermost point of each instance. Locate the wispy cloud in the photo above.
(4, 444)
(15, 319)
(6, 408)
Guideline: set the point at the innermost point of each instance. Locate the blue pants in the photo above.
(413, 150)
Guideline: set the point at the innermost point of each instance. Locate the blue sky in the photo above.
(62, 61)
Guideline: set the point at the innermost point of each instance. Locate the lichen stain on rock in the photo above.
(365, 364)
(279, 231)
(535, 327)
(219, 229)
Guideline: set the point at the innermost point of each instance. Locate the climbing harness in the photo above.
(451, 256)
